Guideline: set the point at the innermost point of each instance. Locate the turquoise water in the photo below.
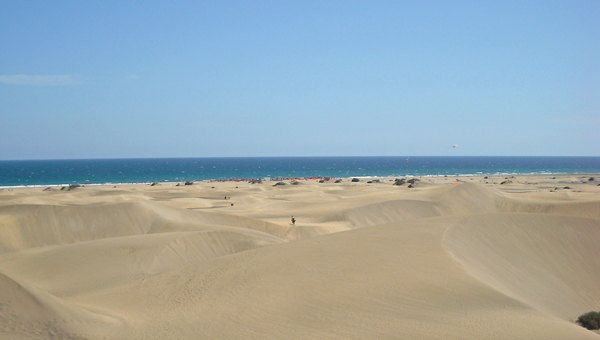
(100, 171)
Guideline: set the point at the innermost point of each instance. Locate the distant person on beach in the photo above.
(293, 220)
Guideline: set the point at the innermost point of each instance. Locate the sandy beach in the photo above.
(496, 257)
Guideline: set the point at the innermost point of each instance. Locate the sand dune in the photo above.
(546, 261)
(439, 261)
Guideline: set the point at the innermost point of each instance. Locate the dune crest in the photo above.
(549, 262)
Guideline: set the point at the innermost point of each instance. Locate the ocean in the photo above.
(113, 171)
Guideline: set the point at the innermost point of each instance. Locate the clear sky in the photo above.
(114, 79)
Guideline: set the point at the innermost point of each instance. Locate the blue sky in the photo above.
(112, 79)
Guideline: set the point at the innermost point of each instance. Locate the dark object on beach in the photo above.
(232, 204)
(413, 180)
(189, 182)
(321, 181)
(47, 189)
(63, 188)
(566, 188)
(73, 186)
(591, 179)
(506, 182)
(486, 177)
(294, 182)
(410, 186)
(369, 182)
(178, 185)
(400, 181)
(338, 181)
(278, 183)
(590, 320)
(153, 184)
(355, 180)
(255, 181)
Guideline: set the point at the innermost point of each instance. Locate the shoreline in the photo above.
(277, 179)
(130, 171)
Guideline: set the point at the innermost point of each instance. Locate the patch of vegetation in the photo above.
(590, 320)
(591, 179)
(400, 181)
(355, 180)
(279, 183)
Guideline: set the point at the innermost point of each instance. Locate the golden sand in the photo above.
(471, 260)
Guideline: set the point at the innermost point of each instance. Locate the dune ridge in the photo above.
(438, 261)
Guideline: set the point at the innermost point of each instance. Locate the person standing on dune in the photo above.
(293, 220)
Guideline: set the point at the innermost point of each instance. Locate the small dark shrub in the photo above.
(400, 181)
(338, 181)
(279, 183)
(355, 180)
(591, 179)
(413, 180)
(590, 320)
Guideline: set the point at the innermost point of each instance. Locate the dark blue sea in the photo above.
(108, 171)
